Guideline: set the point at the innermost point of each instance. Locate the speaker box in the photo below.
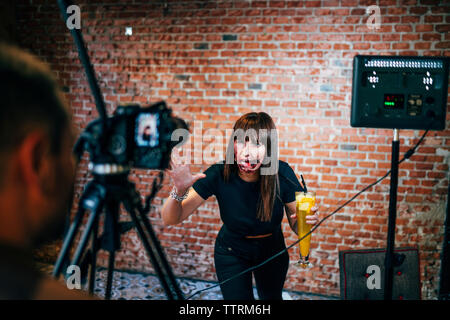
(362, 274)
(444, 283)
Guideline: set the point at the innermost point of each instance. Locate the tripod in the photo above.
(104, 194)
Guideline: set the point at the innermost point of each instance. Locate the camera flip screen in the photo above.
(146, 134)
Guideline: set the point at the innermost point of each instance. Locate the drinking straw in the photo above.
(304, 184)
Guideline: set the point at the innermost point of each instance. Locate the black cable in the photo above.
(407, 155)
(411, 151)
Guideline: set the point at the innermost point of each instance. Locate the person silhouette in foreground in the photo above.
(36, 174)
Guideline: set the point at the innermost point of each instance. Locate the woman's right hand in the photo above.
(181, 174)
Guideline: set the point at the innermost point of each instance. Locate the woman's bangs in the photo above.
(252, 129)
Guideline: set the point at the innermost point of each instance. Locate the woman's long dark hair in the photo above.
(258, 126)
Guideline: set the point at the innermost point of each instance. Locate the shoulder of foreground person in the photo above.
(51, 289)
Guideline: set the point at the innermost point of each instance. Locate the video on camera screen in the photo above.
(147, 134)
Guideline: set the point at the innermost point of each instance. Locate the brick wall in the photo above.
(213, 61)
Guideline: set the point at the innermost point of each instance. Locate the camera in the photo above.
(139, 137)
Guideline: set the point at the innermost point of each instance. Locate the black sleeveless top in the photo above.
(238, 199)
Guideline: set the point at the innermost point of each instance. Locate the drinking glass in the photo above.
(304, 202)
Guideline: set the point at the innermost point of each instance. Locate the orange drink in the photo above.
(304, 202)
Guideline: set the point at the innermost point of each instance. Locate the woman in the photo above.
(251, 198)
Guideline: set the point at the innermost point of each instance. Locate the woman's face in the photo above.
(249, 155)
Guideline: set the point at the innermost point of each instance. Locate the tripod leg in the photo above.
(111, 236)
(112, 256)
(154, 259)
(85, 236)
(94, 256)
(151, 243)
(68, 241)
(160, 254)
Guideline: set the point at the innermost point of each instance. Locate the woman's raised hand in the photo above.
(181, 174)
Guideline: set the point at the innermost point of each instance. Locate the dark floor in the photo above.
(139, 286)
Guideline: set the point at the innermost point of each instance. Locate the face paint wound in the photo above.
(248, 154)
(247, 164)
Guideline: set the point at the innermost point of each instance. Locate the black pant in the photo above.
(234, 254)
